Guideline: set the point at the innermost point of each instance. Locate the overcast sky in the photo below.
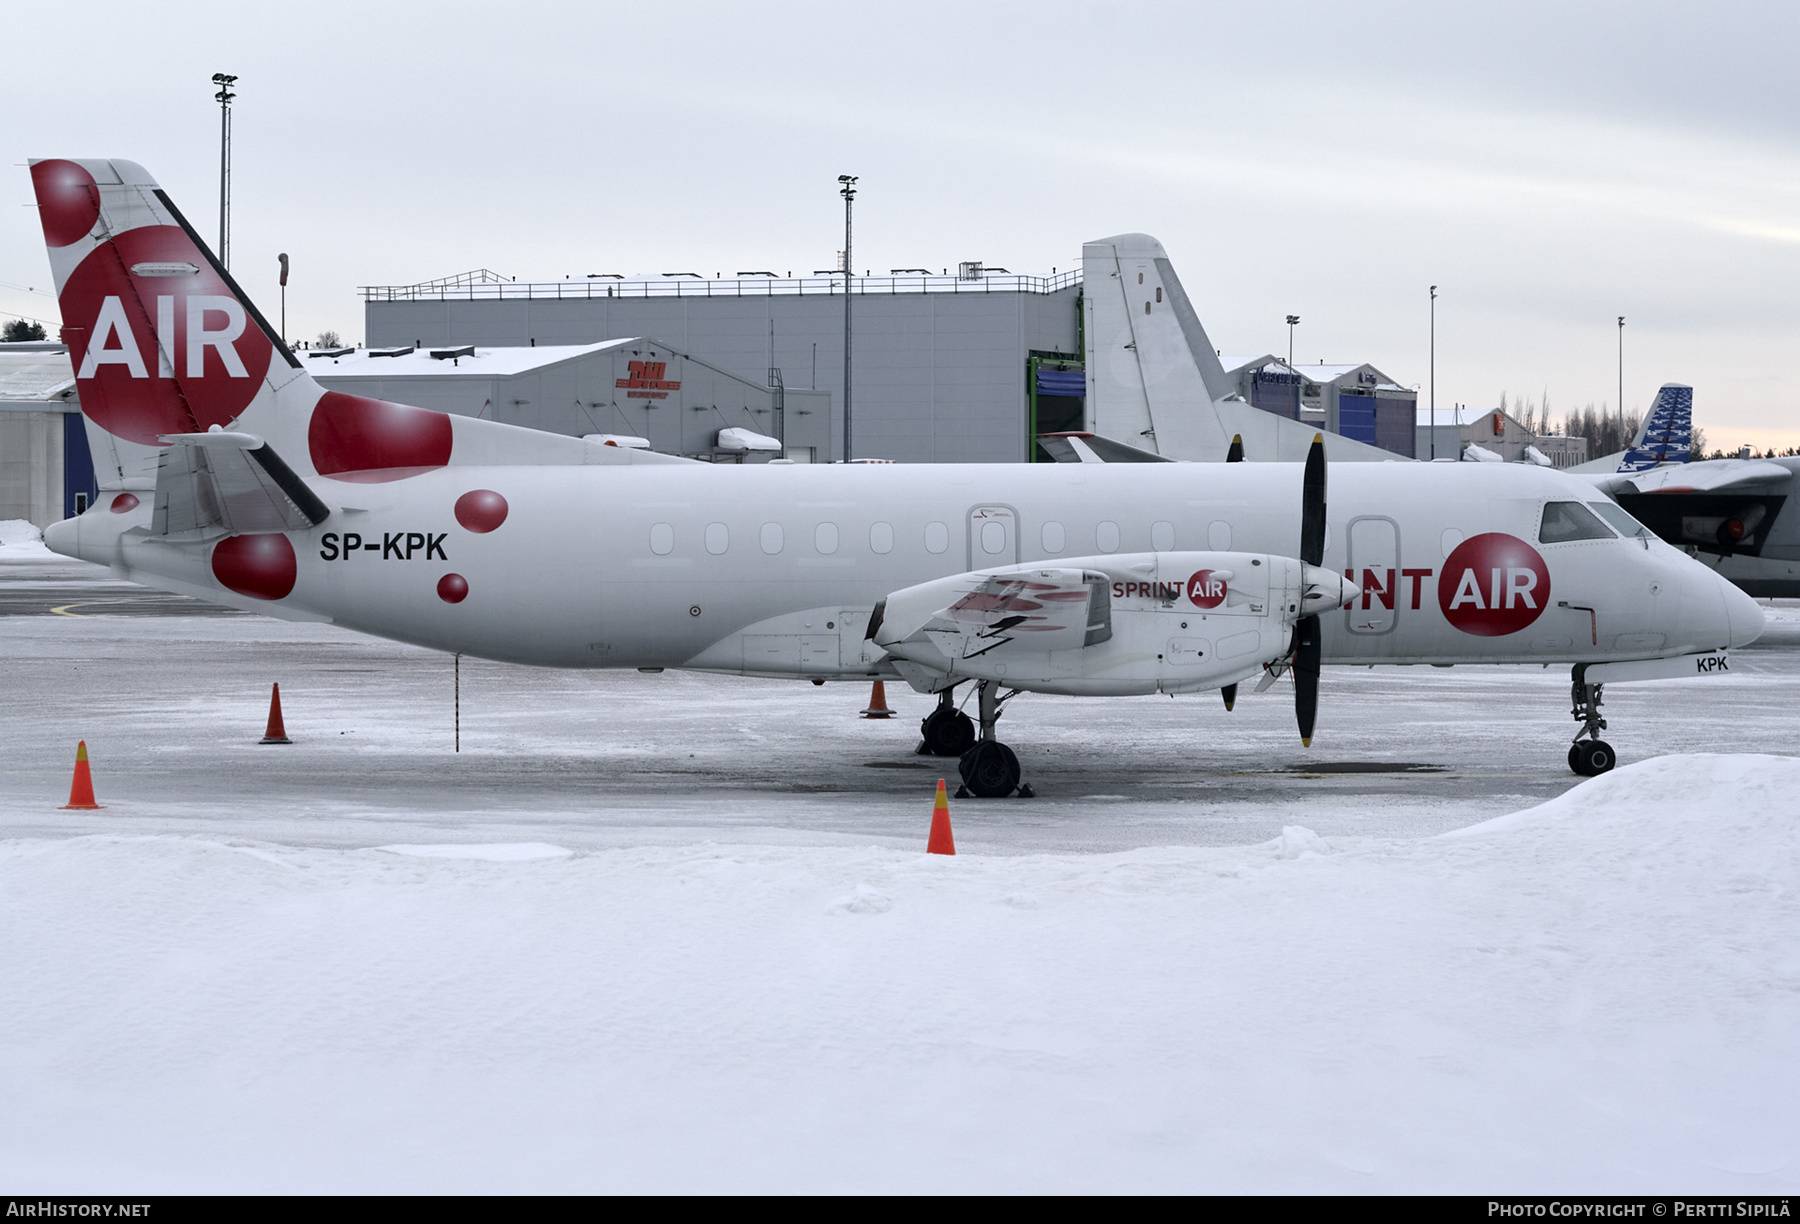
(1550, 166)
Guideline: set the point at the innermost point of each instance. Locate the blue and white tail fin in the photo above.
(1667, 433)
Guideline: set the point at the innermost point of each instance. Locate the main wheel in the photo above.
(990, 770)
(947, 732)
(1575, 757)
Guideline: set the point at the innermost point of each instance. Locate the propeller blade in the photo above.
(1236, 453)
(1229, 693)
(1308, 649)
(1312, 505)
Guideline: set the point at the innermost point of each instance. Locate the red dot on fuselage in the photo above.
(258, 566)
(68, 201)
(453, 588)
(481, 510)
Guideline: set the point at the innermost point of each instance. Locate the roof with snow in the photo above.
(31, 372)
(460, 361)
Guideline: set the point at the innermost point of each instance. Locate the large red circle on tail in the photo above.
(68, 202)
(217, 357)
(257, 566)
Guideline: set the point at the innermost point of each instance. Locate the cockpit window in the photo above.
(1620, 518)
(1565, 521)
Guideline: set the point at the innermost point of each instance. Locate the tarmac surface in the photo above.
(171, 695)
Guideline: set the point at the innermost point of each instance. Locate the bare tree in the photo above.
(329, 339)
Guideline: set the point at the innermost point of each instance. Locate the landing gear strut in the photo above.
(947, 731)
(1593, 756)
(989, 769)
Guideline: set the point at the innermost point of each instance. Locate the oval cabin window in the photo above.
(825, 538)
(1053, 537)
(993, 538)
(718, 538)
(662, 539)
(937, 537)
(771, 538)
(881, 538)
(1106, 537)
(1162, 536)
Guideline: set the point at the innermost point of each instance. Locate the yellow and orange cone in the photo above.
(940, 841)
(81, 788)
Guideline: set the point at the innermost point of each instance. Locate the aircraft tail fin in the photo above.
(166, 345)
(1666, 435)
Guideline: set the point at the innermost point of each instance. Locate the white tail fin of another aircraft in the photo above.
(1154, 380)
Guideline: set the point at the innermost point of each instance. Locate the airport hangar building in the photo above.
(966, 367)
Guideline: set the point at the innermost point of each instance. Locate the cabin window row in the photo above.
(993, 538)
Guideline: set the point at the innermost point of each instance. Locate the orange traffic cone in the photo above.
(878, 706)
(940, 842)
(277, 733)
(81, 789)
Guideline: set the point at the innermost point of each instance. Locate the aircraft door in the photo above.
(993, 536)
(1372, 562)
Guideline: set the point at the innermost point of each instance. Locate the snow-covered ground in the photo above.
(574, 957)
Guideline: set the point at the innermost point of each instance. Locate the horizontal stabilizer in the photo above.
(225, 483)
(1092, 448)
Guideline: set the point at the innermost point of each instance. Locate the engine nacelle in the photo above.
(1126, 623)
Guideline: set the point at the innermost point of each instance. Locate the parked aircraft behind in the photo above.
(229, 474)
(1729, 513)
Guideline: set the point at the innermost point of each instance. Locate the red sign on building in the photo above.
(647, 382)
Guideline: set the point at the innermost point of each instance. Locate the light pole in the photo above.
(1434, 371)
(1292, 321)
(224, 81)
(1623, 444)
(848, 191)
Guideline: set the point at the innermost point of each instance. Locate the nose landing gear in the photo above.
(1594, 756)
(990, 770)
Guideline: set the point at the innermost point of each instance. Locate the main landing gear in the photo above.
(1593, 756)
(989, 769)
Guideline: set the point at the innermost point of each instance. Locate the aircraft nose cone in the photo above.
(1744, 614)
(64, 537)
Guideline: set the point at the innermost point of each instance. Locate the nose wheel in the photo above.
(1592, 756)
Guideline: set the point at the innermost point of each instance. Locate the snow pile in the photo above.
(19, 531)
(1601, 994)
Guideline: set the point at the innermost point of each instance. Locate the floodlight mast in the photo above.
(224, 81)
(1623, 444)
(1292, 320)
(1433, 373)
(847, 189)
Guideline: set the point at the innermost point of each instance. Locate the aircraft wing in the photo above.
(972, 614)
(1704, 476)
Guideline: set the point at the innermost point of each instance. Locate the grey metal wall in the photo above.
(581, 395)
(31, 466)
(940, 377)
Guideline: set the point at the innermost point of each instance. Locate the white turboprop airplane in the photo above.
(229, 474)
